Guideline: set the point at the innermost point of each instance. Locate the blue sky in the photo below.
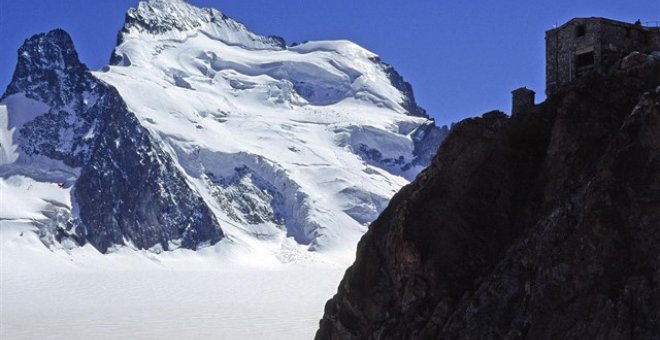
(462, 57)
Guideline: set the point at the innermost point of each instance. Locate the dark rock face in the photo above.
(542, 226)
(129, 189)
(48, 70)
(427, 139)
(402, 85)
(41, 61)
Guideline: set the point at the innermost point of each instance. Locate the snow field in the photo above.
(212, 294)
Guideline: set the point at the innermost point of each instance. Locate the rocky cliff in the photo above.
(542, 226)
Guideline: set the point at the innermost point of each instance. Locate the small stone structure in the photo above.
(523, 100)
(584, 45)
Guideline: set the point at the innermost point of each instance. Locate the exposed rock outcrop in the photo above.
(541, 226)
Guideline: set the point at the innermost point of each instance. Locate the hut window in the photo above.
(584, 59)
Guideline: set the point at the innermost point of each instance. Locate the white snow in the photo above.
(23, 198)
(211, 294)
(8, 150)
(22, 111)
(25, 178)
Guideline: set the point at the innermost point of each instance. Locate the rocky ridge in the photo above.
(541, 226)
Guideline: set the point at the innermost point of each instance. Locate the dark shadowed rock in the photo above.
(427, 138)
(402, 85)
(542, 226)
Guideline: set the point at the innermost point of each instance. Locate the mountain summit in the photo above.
(177, 20)
(200, 130)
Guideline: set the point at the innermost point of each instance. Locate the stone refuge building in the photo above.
(584, 45)
(523, 100)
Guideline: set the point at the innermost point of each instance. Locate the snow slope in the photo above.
(183, 294)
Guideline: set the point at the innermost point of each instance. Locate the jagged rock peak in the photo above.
(52, 50)
(126, 188)
(47, 61)
(164, 15)
(406, 89)
(178, 19)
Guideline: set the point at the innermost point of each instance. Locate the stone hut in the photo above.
(584, 45)
(523, 100)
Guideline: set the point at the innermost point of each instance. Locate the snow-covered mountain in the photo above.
(199, 131)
